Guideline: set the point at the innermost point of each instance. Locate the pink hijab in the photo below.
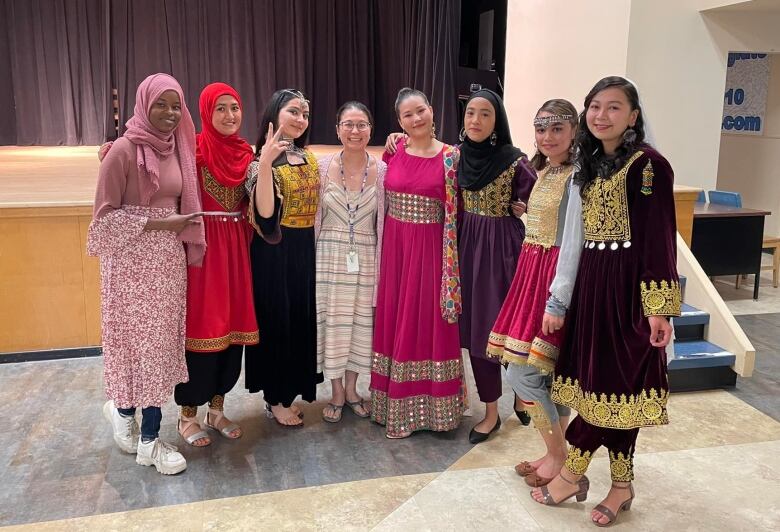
(152, 144)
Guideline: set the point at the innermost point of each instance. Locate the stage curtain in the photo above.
(333, 50)
(58, 72)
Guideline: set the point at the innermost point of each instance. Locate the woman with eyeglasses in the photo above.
(284, 187)
(348, 231)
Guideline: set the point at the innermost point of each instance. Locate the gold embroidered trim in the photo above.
(220, 344)
(538, 353)
(647, 179)
(577, 461)
(538, 415)
(229, 198)
(646, 409)
(413, 208)
(605, 206)
(662, 299)
(299, 188)
(621, 467)
(542, 225)
(543, 356)
(492, 200)
(421, 412)
(189, 411)
(414, 371)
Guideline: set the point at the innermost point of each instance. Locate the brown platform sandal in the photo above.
(607, 512)
(582, 493)
(524, 468)
(537, 481)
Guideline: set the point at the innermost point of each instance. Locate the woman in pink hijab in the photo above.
(146, 229)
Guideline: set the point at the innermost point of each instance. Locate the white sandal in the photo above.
(188, 422)
(225, 431)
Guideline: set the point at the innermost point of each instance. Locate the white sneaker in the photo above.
(161, 455)
(125, 428)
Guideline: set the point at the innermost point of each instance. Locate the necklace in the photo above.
(555, 170)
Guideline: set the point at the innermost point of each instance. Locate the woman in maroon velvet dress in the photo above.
(612, 366)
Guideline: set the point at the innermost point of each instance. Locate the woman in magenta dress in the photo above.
(417, 372)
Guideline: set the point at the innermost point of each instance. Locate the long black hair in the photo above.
(591, 159)
(271, 115)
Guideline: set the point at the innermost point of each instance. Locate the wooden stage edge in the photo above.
(49, 287)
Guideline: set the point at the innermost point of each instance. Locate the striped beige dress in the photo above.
(345, 308)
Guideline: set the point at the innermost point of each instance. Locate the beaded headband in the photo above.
(545, 121)
(298, 95)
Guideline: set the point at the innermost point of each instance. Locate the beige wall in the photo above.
(675, 50)
(681, 74)
(554, 50)
(750, 164)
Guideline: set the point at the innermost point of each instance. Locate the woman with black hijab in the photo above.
(495, 181)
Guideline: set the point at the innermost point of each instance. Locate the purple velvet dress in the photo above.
(489, 242)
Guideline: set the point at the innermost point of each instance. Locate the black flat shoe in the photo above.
(478, 437)
(523, 416)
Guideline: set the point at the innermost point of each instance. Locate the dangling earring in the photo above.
(462, 135)
(629, 136)
(433, 130)
(493, 138)
(406, 139)
(535, 145)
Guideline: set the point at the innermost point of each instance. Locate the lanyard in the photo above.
(352, 209)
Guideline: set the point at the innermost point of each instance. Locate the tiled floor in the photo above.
(715, 467)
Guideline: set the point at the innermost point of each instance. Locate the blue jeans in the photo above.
(151, 416)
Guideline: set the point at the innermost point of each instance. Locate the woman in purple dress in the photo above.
(494, 180)
(612, 365)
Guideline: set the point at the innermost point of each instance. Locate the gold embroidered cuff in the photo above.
(661, 299)
(538, 415)
(578, 461)
(646, 409)
(217, 402)
(621, 467)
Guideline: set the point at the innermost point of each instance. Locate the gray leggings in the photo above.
(531, 386)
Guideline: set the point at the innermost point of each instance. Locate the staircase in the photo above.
(697, 364)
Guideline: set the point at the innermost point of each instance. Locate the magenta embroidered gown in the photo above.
(416, 374)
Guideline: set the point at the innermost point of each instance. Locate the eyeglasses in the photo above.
(361, 126)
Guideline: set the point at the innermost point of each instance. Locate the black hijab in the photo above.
(480, 163)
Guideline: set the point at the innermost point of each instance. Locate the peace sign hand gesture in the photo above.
(273, 146)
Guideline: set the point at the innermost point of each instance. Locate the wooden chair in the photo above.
(773, 243)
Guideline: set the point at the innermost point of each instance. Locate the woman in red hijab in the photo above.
(220, 309)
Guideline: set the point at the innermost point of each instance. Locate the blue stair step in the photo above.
(690, 324)
(699, 354)
(683, 279)
(700, 365)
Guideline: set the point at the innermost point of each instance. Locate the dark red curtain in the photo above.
(333, 50)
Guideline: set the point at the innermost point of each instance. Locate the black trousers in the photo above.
(210, 374)
(585, 439)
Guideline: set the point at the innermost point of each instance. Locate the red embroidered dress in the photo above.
(220, 309)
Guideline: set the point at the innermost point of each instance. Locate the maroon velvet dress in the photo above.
(607, 370)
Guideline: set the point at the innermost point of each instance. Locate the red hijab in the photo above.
(226, 157)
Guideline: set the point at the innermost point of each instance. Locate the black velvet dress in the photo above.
(284, 364)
